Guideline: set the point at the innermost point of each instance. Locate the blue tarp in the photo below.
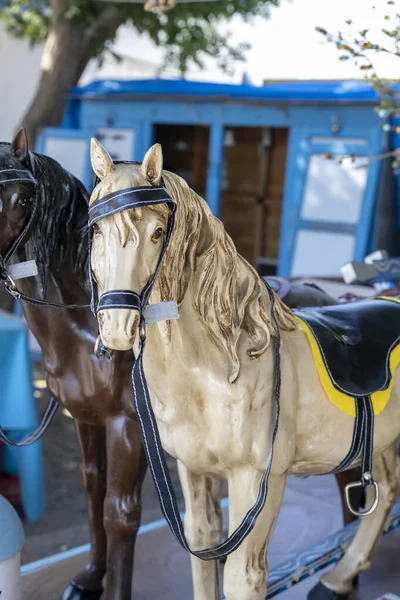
(294, 91)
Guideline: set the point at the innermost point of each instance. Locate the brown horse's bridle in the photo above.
(18, 176)
(13, 175)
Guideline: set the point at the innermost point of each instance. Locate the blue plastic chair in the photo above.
(18, 413)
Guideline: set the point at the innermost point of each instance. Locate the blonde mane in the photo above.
(229, 295)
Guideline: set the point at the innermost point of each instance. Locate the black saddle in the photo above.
(355, 341)
(280, 285)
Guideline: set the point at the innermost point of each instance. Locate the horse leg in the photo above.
(203, 528)
(87, 585)
(246, 570)
(126, 467)
(337, 584)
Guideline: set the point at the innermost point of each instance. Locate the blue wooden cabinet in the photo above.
(329, 202)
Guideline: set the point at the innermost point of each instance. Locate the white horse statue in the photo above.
(212, 381)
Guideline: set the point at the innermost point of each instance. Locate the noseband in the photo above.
(129, 198)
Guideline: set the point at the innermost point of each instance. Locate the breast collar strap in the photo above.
(112, 204)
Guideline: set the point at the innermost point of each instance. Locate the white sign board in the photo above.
(321, 253)
(334, 191)
(71, 153)
(119, 143)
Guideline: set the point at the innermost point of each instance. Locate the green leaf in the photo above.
(188, 33)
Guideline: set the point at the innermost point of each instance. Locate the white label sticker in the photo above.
(23, 269)
(162, 311)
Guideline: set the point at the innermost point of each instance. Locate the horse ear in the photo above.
(19, 145)
(102, 163)
(152, 164)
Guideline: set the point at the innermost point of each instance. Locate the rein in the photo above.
(112, 204)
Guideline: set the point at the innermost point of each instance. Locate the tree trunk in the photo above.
(68, 49)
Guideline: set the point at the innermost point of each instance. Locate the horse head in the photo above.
(17, 190)
(127, 245)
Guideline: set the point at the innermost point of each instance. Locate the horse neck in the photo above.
(216, 311)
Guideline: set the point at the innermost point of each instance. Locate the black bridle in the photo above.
(10, 175)
(19, 176)
(110, 205)
(116, 202)
(25, 175)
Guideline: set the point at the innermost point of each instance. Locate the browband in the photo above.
(17, 175)
(129, 198)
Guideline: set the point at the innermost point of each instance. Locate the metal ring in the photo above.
(100, 350)
(362, 512)
(142, 330)
(11, 287)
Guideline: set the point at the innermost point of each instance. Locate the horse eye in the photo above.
(157, 234)
(96, 229)
(19, 201)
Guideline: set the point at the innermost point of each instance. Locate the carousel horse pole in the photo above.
(234, 385)
(43, 215)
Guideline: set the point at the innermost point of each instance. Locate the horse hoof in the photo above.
(74, 591)
(320, 592)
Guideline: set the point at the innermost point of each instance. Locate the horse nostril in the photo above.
(135, 325)
(100, 317)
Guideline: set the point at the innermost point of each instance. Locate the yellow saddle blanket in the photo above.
(356, 349)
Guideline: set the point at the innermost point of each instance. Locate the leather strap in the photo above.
(46, 419)
(159, 469)
(363, 437)
(119, 299)
(127, 198)
(16, 176)
(8, 282)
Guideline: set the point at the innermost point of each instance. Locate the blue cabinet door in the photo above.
(330, 197)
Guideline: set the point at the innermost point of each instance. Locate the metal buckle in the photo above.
(100, 350)
(356, 484)
(142, 330)
(11, 287)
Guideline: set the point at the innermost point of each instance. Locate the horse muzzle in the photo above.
(118, 328)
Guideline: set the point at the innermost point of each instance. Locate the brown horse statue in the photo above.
(96, 392)
(236, 389)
